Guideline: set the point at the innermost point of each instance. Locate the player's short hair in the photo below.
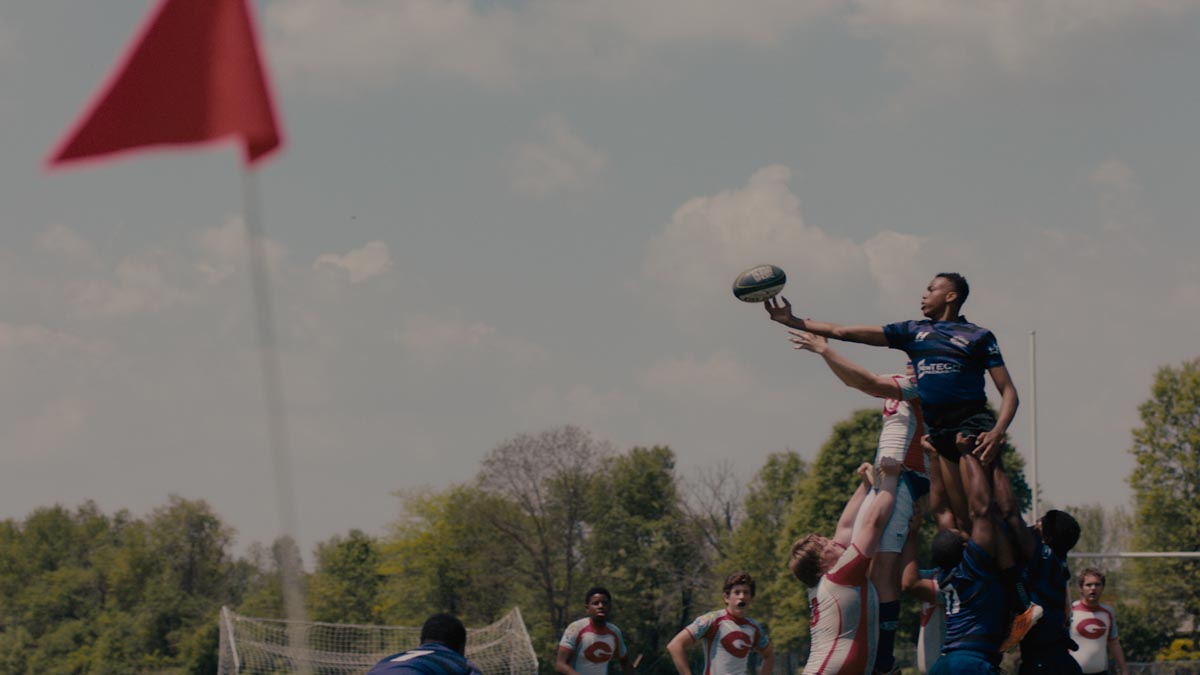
(446, 629)
(739, 578)
(596, 590)
(961, 287)
(805, 561)
(946, 549)
(1092, 572)
(1061, 530)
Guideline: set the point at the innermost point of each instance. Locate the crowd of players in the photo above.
(996, 582)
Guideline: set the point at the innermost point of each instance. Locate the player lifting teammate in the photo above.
(950, 356)
(843, 602)
(900, 439)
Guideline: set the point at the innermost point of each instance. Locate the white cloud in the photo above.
(335, 45)
(434, 340)
(62, 242)
(20, 336)
(935, 39)
(709, 239)
(360, 264)
(373, 42)
(53, 426)
(890, 257)
(558, 160)
(145, 282)
(718, 377)
(579, 404)
(223, 251)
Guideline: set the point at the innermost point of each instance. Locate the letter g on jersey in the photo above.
(599, 652)
(1092, 629)
(736, 643)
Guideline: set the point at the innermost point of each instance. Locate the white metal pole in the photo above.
(276, 409)
(1033, 418)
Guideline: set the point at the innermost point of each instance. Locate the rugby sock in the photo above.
(889, 616)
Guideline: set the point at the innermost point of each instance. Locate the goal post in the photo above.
(256, 646)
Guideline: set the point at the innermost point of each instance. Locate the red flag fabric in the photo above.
(193, 75)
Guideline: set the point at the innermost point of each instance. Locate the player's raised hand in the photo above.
(808, 341)
(866, 472)
(781, 311)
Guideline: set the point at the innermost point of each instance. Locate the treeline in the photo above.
(548, 515)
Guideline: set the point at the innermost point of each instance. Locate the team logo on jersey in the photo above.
(925, 368)
(993, 350)
(921, 335)
(1092, 628)
(737, 643)
(598, 652)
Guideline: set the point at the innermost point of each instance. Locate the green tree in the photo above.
(714, 504)
(643, 548)
(815, 508)
(543, 483)
(346, 582)
(1166, 486)
(263, 581)
(757, 543)
(443, 555)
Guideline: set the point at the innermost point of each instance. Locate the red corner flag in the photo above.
(193, 75)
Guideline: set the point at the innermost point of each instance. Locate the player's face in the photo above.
(831, 554)
(738, 599)
(599, 606)
(1092, 588)
(934, 300)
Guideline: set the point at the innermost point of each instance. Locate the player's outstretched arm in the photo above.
(911, 582)
(946, 513)
(877, 514)
(979, 503)
(987, 445)
(850, 373)
(1006, 501)
(562, 664)
(845, 524)
(781, 311)
(677, 648)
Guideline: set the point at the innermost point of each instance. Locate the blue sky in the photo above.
(494, 218)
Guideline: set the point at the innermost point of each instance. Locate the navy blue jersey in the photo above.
(976, 614)
(949, 357)
(1046, 577)
(431, 658)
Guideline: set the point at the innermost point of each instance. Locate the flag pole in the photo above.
(277, 427)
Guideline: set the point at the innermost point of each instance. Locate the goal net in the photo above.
(259, 646)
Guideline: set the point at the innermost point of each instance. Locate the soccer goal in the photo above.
(259, 646)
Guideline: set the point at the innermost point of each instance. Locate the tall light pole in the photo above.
(1033, 417)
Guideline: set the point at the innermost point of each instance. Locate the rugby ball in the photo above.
(758, 283)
